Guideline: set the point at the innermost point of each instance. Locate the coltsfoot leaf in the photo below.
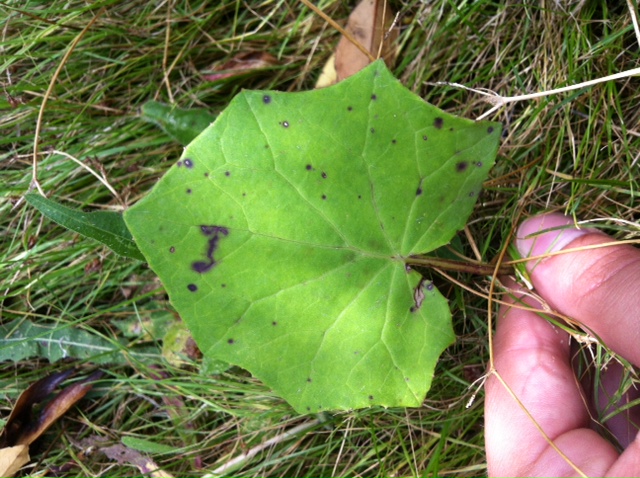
(282, 232)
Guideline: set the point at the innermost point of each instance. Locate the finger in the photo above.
(600, 287)
(532, 357)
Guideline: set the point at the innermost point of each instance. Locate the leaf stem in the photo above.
(459, 266)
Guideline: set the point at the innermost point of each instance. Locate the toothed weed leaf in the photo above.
(281, 236)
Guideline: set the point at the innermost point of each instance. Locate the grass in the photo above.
(575, 152)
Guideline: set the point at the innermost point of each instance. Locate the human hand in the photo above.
(600, 288)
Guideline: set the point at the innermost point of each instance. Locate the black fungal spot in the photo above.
(393, 141)
(324, 196)
(324, 175)
(418, 191)
(285, 124)
(309, 167)
(179, 163)
(192, 287)
(490, 129)
(412, 309)
(215, 233)
(308, 409)
(370, 397)
(349, 108)
(206, 175)
(424, 137)
(479, 164)
(374, 97)
(373, 130)
(461, 166)
(188, 191)
(450, 129)
(438, 122)
(429, 286)
(172, 249)
(309, 380)
(188, 163)
(231, 341)
(274, 323)
(266, 99)
(471, 194)
(244, 194)
(359, 196)
(223, 285)
(227, 173)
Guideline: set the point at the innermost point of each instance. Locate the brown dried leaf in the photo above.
(371, 24)
(241, 64)
(22, 427)
(12, 459)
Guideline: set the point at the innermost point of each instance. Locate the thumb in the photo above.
(598, 287)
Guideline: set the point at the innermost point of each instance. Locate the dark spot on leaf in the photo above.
(192, 287)
(309, 167)
(359, 196)
(201, 266)
(266, 99)
(309, 380)
(393, 141)
(188, 163)
(188, 191)
(179, 163)
(308, 409)
(373, 130)
(429, 286)
(370, 397)
(285, 124)
(274, 323)
(215, 233)
(374, 97)
(412, 309)
(223, 285)
(324, 196)
(450, 129)
(324, 175)
(461, 166)
(244, 194)
(231, 341)
(206, 175)
(266, 146)
(406, 379)
(479, 164)
(349, 108)
(172, 249)
(227, 173)
(418, 191)
(471, 194)
(424, 137)
(438, 122)
(490, 129)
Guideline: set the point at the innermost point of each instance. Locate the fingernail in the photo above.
(561, 230)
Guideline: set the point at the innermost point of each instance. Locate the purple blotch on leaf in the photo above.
(192, 287)
(179, 163)
(188, 191)
(438, 122)
(172, 249)
(490, 129)
(418, 191)
(227, 173)
(188, 163)
(374, 97)
(461, 166)
(266, 99)
(309, 167)
(231, 341)
(206, 175)
(214, 232)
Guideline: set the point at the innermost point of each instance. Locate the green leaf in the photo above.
(282, 234)
(23, 339)
(147, 446)
(183, 125)
(106, 227)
